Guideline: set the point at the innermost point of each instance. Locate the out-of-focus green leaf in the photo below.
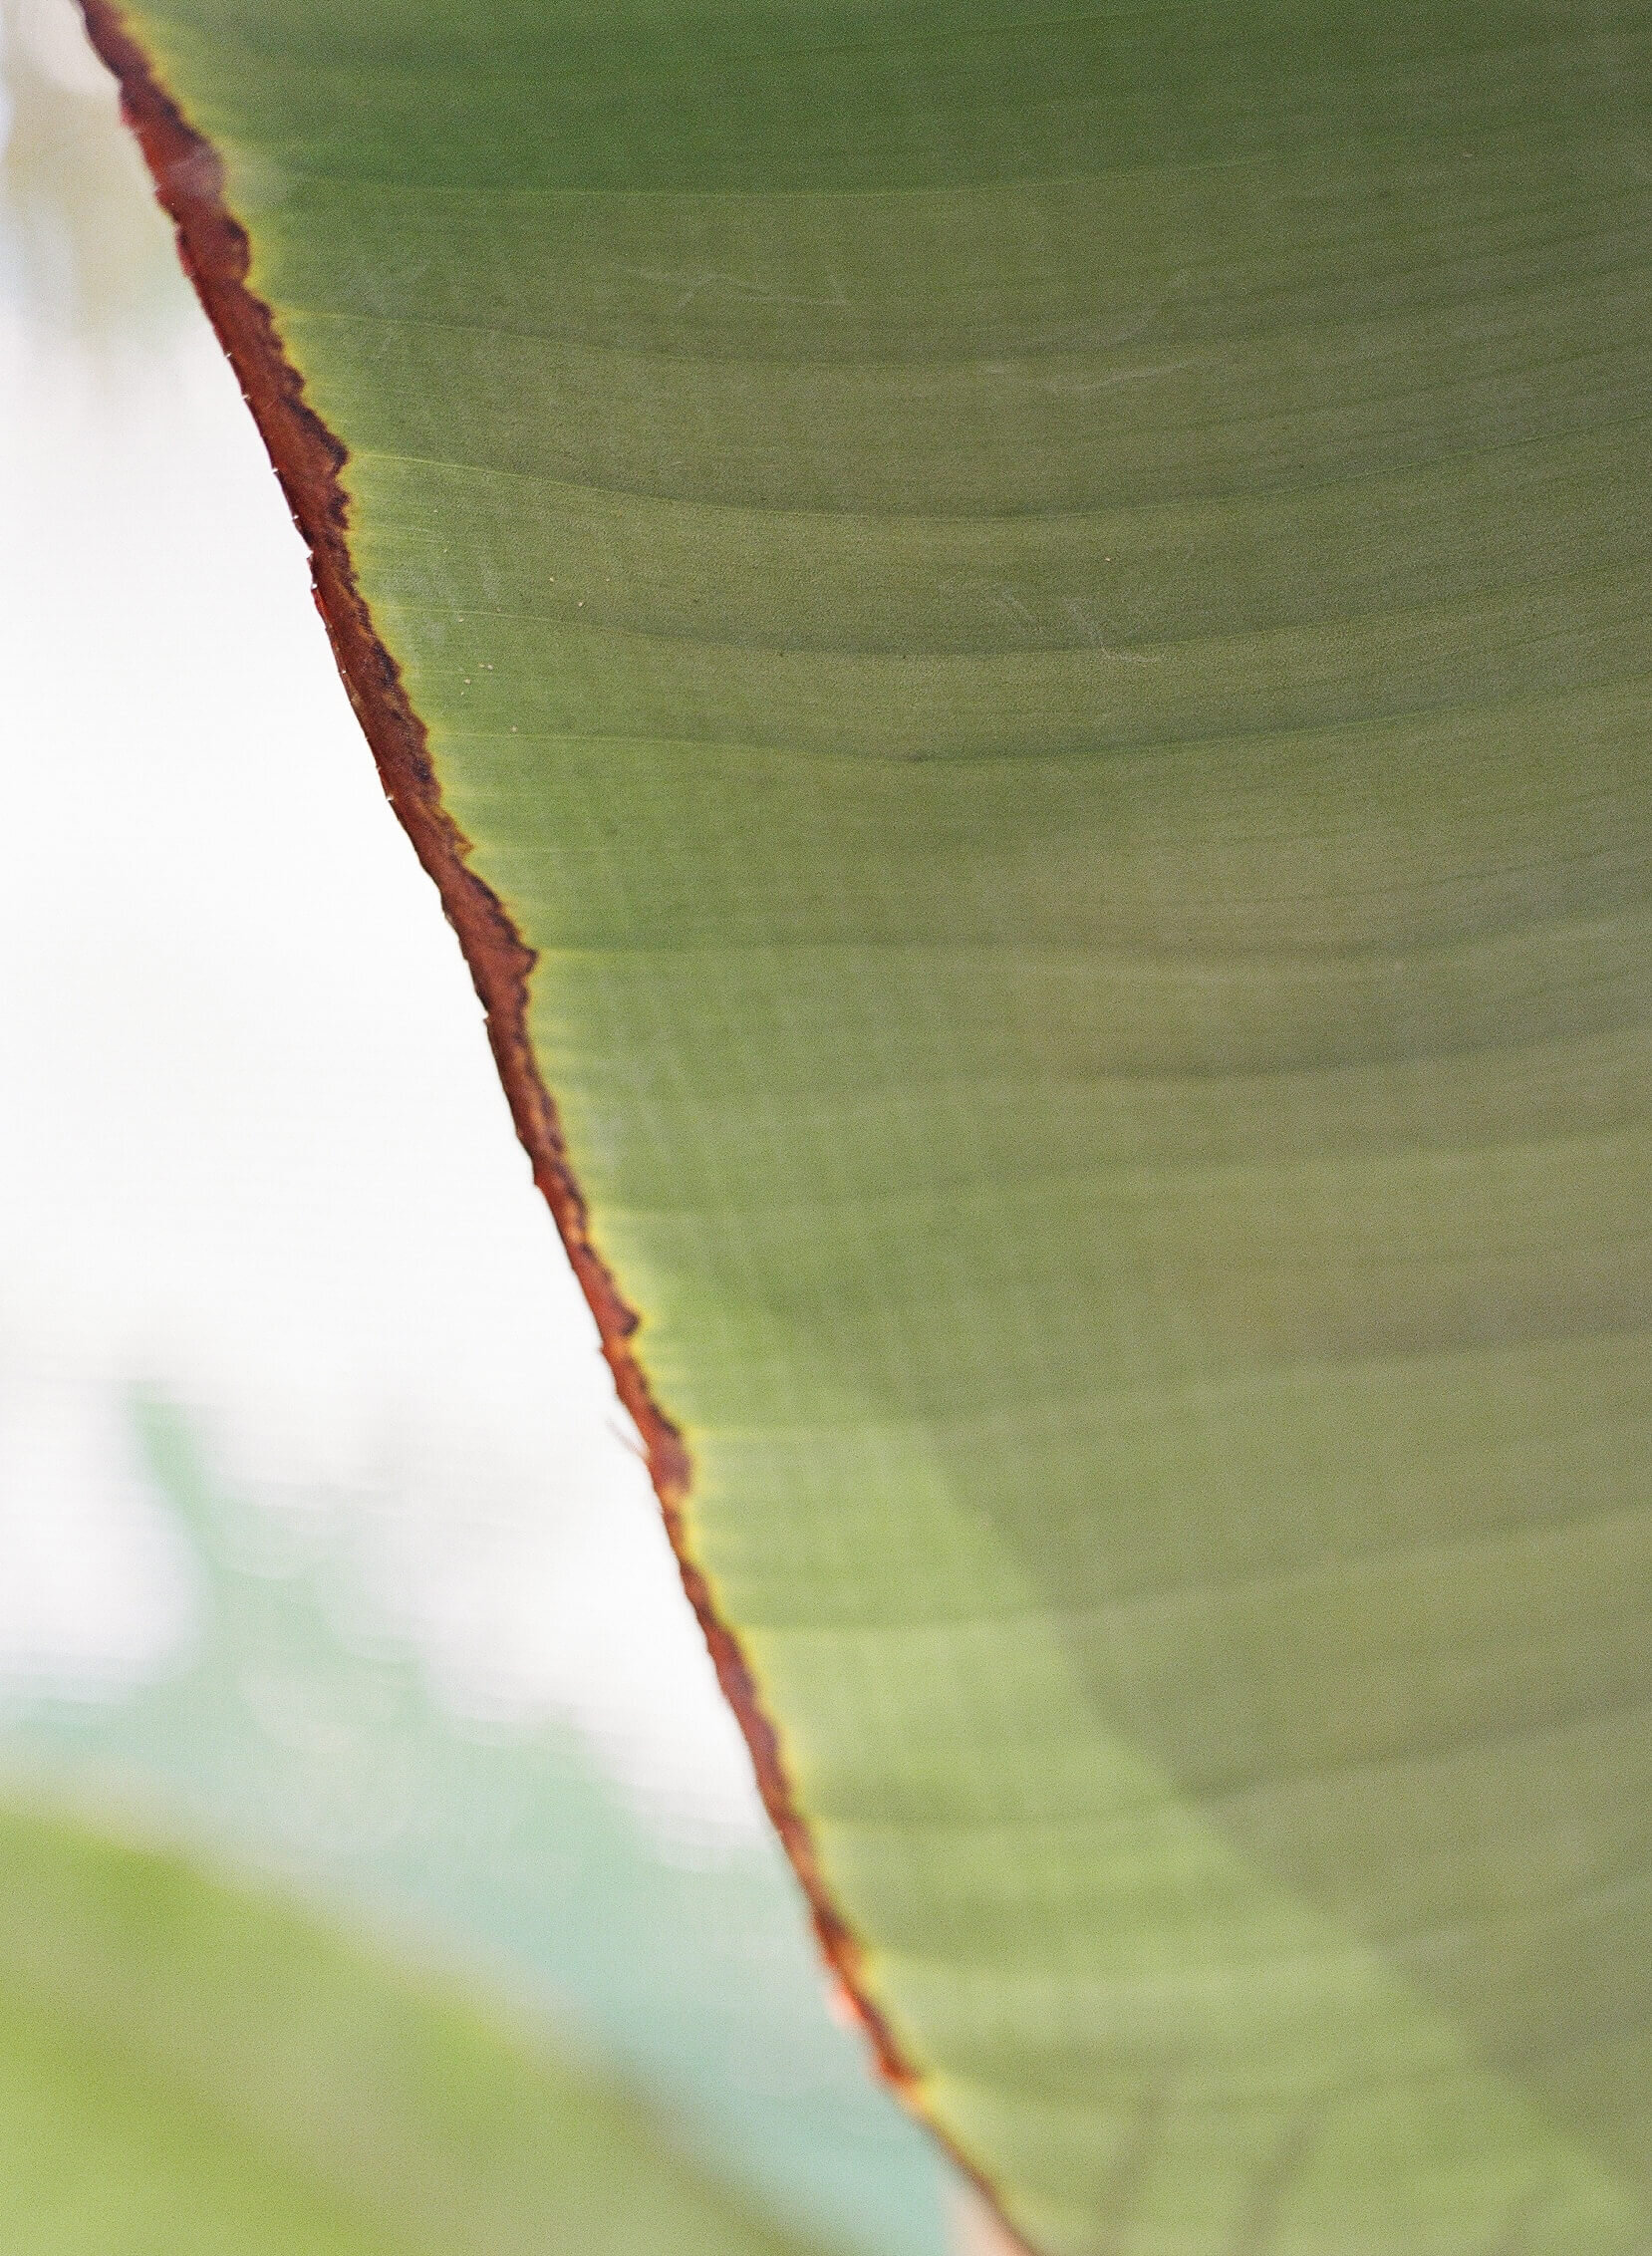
(1042, 617)
(187, 2069)
(297, 1729)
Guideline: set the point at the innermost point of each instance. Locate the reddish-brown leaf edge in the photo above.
(307, 458)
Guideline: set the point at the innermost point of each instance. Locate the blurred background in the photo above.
(324, 1544)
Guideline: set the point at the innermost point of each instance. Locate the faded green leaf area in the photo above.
(1044, 618)
(191, 2068)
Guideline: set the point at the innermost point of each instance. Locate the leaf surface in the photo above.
(1041, 622)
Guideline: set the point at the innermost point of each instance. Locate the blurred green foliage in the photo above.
(190, 2070)
(299, 1730)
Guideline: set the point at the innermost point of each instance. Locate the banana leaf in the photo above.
(1018, 641)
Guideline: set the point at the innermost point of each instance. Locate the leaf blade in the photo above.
(1061, 648)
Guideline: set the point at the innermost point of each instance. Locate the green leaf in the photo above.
(190, 2068)
(1040, 621)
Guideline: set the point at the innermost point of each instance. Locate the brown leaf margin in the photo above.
(307, 458)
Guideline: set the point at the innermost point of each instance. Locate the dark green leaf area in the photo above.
(797, 97)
